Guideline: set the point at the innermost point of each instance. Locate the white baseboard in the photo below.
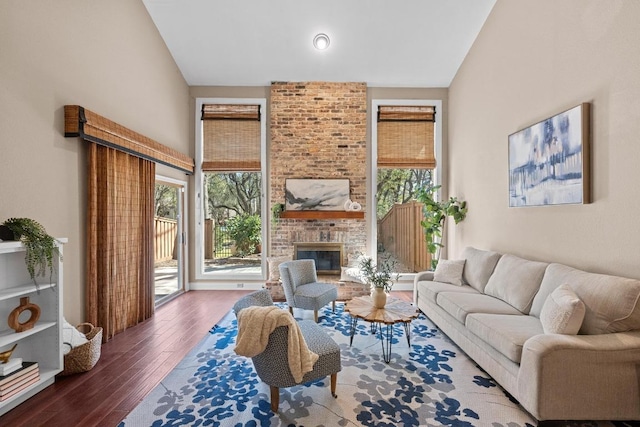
(235, 286)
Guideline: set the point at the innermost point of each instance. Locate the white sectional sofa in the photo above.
(505, 312)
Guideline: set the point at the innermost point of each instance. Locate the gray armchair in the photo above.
(302, 289)
(272, 364)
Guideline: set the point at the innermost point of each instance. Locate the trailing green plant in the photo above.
(380, 275)
(245, 231)
(276, 210)
(40, 247)
(435, 214)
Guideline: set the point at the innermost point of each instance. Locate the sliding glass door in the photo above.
(169, 241)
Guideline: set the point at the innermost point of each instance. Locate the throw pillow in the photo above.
(274, 264)
(350, 274)
(449, 271)
(562, 312)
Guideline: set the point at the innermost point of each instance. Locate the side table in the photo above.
(395, 311)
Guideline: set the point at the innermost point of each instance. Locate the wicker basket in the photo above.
(84, 357)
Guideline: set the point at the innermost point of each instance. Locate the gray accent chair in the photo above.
(302, 289)
(272, 364)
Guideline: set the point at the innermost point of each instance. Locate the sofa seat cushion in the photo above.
(478, 267)
(516, 281)
(430, 289)
(506, 333)
(459, 305)
(611, 302)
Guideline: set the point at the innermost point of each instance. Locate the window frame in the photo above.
(200, 274)
(372, 238)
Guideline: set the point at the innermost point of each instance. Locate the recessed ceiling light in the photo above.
(321, 41)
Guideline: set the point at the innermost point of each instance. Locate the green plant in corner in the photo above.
(435, 214)
(276, 210)
(40, 246)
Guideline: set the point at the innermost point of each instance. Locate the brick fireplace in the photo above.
(318, 130)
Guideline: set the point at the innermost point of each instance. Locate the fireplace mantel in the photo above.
(322, 215)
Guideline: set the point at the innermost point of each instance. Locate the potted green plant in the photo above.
(380, 278)
(435, 215)
(40, 246)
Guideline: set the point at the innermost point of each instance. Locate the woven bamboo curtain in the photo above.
(406, 137)
(231, 137)
(119, 282)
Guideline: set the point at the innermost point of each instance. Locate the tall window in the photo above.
(232, 189)
(405, 160)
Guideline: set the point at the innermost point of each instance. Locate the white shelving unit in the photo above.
(42, 343)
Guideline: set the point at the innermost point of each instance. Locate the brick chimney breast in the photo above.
(318, 130)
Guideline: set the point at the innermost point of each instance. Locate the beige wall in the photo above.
(104, 55)
(532, 60)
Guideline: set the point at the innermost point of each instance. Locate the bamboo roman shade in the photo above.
(231, 137)
(406, 136)
(92, 127)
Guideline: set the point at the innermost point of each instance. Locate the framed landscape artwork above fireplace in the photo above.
(316, 194)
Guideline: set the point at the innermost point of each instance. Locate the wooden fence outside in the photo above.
(209, 239)
(166, 236)
(401, 234)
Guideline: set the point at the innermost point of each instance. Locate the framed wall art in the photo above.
(549, 161)
(316, 194)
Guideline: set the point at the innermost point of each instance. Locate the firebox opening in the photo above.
(328, 256)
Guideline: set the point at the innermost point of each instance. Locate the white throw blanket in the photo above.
(256, 323)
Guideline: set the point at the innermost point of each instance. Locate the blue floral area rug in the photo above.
(431, 383)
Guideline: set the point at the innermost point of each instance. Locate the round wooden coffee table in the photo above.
(395, 311)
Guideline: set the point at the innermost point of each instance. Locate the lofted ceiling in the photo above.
(384, 43)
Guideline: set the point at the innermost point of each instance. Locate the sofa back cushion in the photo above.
(478, 267)
(611, 302)
(516, 281)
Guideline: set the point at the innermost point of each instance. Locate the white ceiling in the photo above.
(399, 43)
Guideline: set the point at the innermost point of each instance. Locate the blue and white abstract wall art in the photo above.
(549, 161)
(316, 194)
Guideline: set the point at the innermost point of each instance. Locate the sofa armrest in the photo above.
(581, 376)
(423, 275)
(419, 277)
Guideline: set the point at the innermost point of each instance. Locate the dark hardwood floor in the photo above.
(130, 366)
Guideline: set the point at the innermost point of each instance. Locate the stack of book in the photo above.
(17, 375)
